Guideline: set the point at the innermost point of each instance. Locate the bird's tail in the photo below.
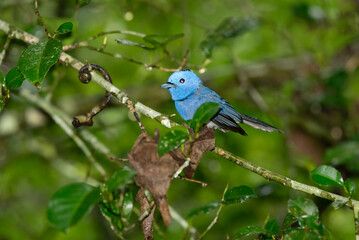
(256, 123)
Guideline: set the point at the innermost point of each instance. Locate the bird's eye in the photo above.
(181, 80)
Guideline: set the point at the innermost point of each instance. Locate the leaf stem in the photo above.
(37, 12)
(214, 221)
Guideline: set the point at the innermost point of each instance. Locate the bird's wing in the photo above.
(225, 122)
(228, 118)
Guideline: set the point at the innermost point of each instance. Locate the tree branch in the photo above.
(164, 120)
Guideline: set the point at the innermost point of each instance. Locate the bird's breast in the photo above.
(187, 107)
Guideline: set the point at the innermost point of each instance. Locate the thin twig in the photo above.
(132, 109)
(203, 184)
(6, 46)
(214, 221)
(356, 219)
(119, 56)
(276, 177)
(41, 20)
(85, 42)
(180, 169)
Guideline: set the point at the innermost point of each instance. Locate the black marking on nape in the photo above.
(186, 70)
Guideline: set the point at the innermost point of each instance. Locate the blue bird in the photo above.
(188, 92)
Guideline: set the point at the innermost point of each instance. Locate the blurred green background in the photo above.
(297, 69)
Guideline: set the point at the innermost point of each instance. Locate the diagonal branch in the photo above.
(166, 121)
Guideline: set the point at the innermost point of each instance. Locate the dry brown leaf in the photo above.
(155, 173)
(204, 143)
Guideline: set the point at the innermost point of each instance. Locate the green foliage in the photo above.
(36, 60)
(2, 92)
(14, 79)
(161, 40)
(345, 153)
(117, 208)
(127, 205)
(204, 209)
(288, 221)
(111, 216)
(70, 203)
(349, 186)
(272, 227)
(172, 140)
(238, 194)
(327, 176)
(2, 79)
(228, 28)
(302, 234)
(203, 114)
(120, 179)
(131, 43)
(302, 211)
(156, 40)
(249, 230)
(64, 28)
(117, 200)
(296, 66)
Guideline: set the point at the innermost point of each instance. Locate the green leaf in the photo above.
(4, 92)
(349, 187)
(304, 210)
(302, 234)
(204, 209)
(272, 227)
(238, 194)
(171, 141)
(249, 230)
(288, 221)
(14, 79)
(113, 218)
(64, 28)
(2, 79)
(338, 204)
(127, 205)
(203, 114)
(158, 40)
(327, 176)
(70, 203)
(120, 178)
(36, 60)
(228, 28)
(344, 153)
(131, 43)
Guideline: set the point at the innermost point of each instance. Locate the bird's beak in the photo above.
(167, 85)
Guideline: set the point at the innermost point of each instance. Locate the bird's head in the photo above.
(182, 83)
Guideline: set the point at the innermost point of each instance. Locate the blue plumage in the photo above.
(189, 93)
